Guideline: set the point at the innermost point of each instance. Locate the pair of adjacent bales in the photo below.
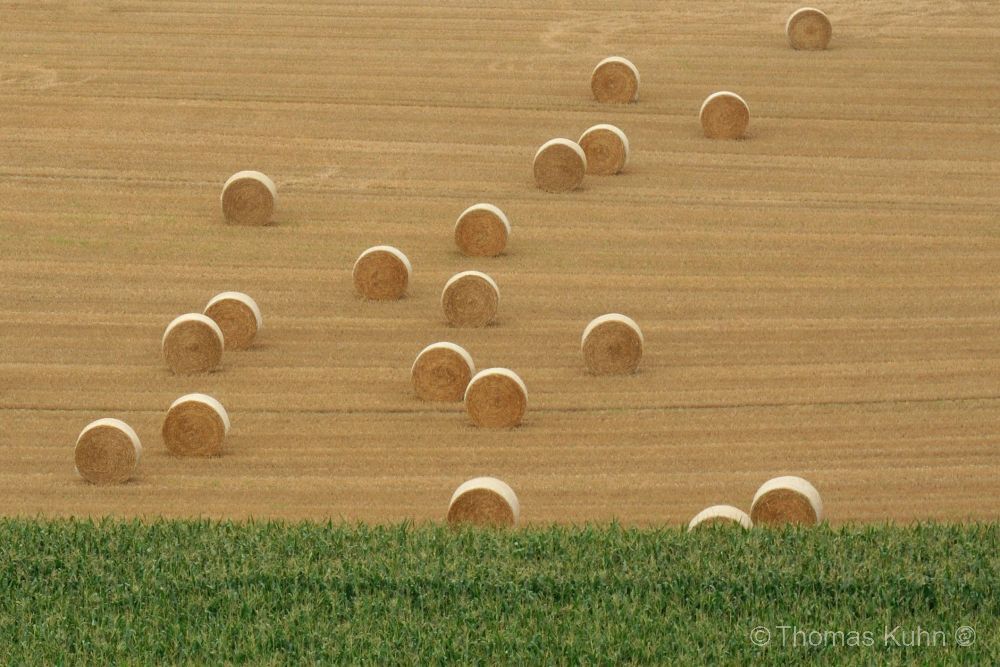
(560, 164)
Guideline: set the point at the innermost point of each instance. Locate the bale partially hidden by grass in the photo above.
(248, 198)
(482, 230)
(382, 273)
(786, 499)
(612, 345)
(720, 515)
(559, 165)
(107, 452)
(192, 343)
(808, 29)
(441, 372)
(496, 398)
(615, 80)
(196, 425)
(606, 148)
(238, 316)
(484, 501)
(724, 115)
(470, 299)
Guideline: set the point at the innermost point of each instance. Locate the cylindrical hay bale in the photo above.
(615, 80)
(193, 343)
(482, 231)
(612, 345)
(248, 198)
(786, 500)
(238, 316)
(559, 165)
(196, 425)
(107, 452)
(484, 501)
(606, 148)
(382, 273)
(724, 115)
(441, 372)
(809, 29)
(496, 398)
(720, 515)
(470, 299)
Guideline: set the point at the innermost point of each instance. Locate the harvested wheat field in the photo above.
(818, 299)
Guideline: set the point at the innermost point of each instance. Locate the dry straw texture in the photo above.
(382, 273)
(786, 500)
(606, 148)
(238, 317)
(615, 80)
(441, 372)
(107, 452)
(809, 29)
(196, 425)
(470, 299)
(496, 398)
(484, 501)
(612, 345)
(724, 115)
(248, 198)
(193, 343)
(482, 230)
(720, 515)
(559, 165)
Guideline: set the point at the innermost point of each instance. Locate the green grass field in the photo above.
(268, 593)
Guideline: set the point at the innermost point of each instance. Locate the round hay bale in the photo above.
(196, 425)
(484, 501)
(809, 29)
(496, 398)
(382, 273)
(786, 500)
(238, 316)
(482, 230)
(248, 198)
(612, 345)
(441, 372)
(107, 452)
(717, 515)
(724, 115)
(606, 148)
(615, 80)
(559, 165)
(470, 299)
(193, 343)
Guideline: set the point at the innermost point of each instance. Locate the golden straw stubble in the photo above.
(441, 372)
(606, 148)
(382, 273)
(482, 230)
(787, 499)
(615, 80)
(612, 345)
(724, 115)
(238, 316)
(808, 29)
(470, 299)
(720, 515)
(248, 198)
(107, 452)
(496, 398)
(195, 425)
(192, 343)
(484, 501)
(559, 165)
